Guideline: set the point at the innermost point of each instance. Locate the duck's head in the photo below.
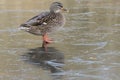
(57, 7)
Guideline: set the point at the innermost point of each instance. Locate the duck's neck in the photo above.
(55, 12)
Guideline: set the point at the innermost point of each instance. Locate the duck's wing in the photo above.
(39, 20)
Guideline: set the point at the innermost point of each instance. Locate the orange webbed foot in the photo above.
(46, 39)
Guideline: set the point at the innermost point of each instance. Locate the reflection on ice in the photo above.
(52, 60)
(54, 63)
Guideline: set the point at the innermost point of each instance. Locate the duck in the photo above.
(45, 23)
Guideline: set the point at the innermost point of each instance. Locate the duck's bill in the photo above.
(63, 9)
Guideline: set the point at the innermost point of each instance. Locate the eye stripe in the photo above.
(60, 5)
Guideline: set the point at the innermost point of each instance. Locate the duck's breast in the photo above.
(56, 23)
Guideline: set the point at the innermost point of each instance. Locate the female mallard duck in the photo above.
(45, 23)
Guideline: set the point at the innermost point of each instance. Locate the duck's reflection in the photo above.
(52, 60)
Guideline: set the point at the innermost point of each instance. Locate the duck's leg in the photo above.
(46, 41)
(44, 45)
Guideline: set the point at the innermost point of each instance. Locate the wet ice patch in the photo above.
(8, 10)
(116, 24)
(79, 60)
(93, 44)
(73, 74)
(99, 44)
(9, 30)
